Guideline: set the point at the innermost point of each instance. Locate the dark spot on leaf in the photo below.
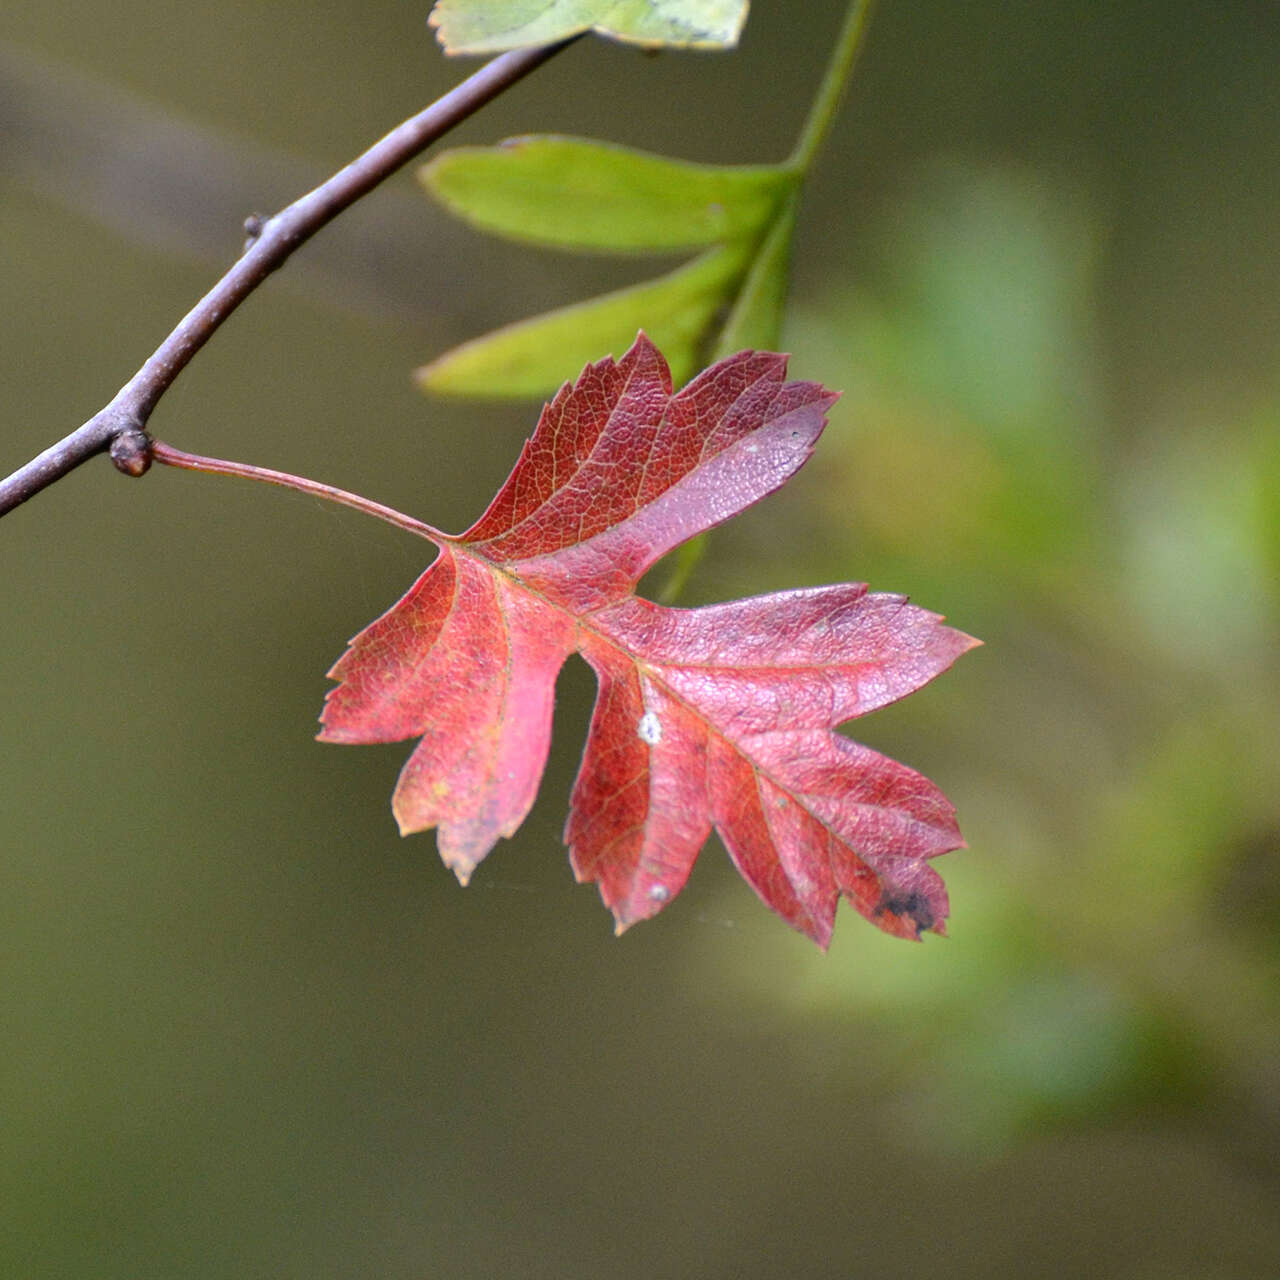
(913, 905)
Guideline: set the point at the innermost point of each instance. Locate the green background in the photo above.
(248, 1031)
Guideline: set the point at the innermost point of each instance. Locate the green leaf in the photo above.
(531, 358)
(576, 194)
(571, 193)
(489, 26)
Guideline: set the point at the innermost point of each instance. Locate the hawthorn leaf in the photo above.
(525, 358)
(490, 26)
(574, 194)
(717, 718)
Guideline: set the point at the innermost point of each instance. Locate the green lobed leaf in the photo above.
(578, 194)
(490, 26)
(530, 358)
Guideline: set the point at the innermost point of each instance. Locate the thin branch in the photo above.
(158, 451)
(277, 238)
(835, 83)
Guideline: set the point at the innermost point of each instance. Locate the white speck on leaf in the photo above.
(649, 729)
(659, 892)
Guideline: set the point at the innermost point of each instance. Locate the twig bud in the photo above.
(131, 452)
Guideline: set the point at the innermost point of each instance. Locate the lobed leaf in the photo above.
(718, 718)
(490, 26)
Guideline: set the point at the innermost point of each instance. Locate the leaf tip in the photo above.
(645, 354)
(822, 941)
(427, 377)
(462, 865)
(438, 23)
(623, 914)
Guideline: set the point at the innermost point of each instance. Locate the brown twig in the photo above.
(277, 238)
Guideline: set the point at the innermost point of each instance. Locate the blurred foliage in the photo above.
(1114, 750)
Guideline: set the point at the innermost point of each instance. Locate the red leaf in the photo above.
(717, 717)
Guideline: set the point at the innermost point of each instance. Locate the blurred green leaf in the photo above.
(577, 194)
(976, 367)
(533, 357)
(1266, 500)
(1050, 1047)
(994, 287)
(1214, 557)
(489, 26)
